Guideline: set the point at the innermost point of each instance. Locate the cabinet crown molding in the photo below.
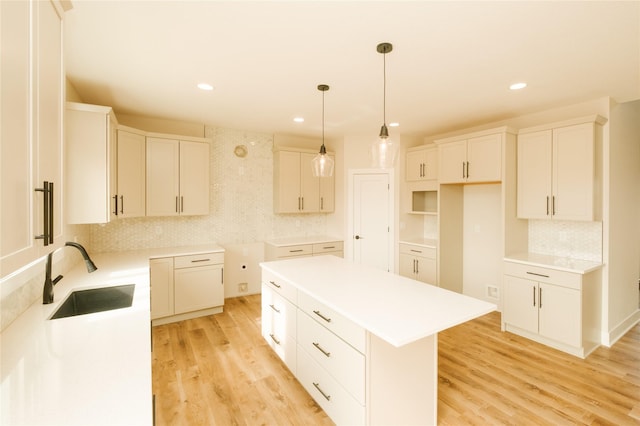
(464, 136)
(594, 118)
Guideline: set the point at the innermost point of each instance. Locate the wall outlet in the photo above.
(243, 287)
(492, 292)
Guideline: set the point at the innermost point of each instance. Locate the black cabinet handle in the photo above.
(47, 213)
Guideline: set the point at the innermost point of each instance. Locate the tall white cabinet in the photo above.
(31, 96)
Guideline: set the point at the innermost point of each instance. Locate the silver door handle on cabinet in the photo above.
(177, 211)
(327, 319)
(181, 204)
(467, 170)
(274, 308)
(200, 260)
(547, 205)
(417, 266)
(553, 205)
(122, 204)
(537, 275)
(534, 295)
(273, 337)
(540, 298)
(273, 283)
(318, 347)
(317, 386)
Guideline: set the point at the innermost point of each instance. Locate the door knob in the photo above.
(358, 237)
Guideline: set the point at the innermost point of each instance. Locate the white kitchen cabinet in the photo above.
(471, 158)
(177, 177)
(301, 247)
(418, 262)
(551, 306)
(91, 163)
(557, 173)
(188, 286)
(32, 107)
(131, 173)
(296, 190)
(422, 163)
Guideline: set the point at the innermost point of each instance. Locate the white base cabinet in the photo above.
(418, 262)
(301, 247)
(187, 286)
(552, 307)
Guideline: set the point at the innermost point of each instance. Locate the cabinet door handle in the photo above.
(463, 172)
(274, 308)
(317, 386)
(321, 203)
(417, 266)
(534, 295)
(318, 347)
(115, 203)
(273, 283)
(47, 213)
(302, 198)
(547, 205)
(540, 298)
(553, 205)
(122, 204)
(322, 316)
(181, 204)
(298, 203)
(273, 337)
(177, 211)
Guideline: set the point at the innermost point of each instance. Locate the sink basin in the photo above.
(81, 302)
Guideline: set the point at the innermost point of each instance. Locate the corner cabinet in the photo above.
(32, 111)
(296, 190)
(422, 163)
(187, 286)
(553, 307)
(558, 176)
(471, 158)
(177, 176)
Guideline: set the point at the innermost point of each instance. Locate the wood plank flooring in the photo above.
(217, 370)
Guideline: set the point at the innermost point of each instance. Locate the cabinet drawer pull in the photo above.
(274, 308)
(318, 347)
(317, 386)
(415, 251)
(200, 260)
(538, 275)
(274, 284)
(273, 337)
(296, 251)
(322, 316)
(328, 247)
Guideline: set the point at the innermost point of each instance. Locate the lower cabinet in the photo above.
(418, 262)
(279, 323)
(552, 307)
(185, 287)
(297, 248)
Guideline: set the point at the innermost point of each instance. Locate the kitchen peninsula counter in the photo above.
(92, 369)
(400, 319)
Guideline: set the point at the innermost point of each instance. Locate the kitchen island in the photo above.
(92, 369)
(363, 342)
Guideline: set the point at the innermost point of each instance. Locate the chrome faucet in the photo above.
(47, 292)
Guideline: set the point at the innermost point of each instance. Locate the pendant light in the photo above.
(384, 150)
(322, 164)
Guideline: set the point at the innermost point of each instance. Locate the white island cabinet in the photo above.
(365, 340)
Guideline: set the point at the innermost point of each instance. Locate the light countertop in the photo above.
(90, 369)
(294, 241)
(422, 242)
(554, 262)
(399, 310)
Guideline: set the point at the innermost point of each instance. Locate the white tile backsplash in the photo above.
(577, 240)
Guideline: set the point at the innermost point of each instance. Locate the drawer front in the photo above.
(198, 260)
(280, 286)
(338, 324)
(279, 326)
(293, 251)
(428, 252)
(344, 363)
(329, 247)
(333, 398)
(544, 275)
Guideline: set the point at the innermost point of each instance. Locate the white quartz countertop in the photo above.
(90, 369)
(294, 241)
(398, 310)
(422, 242)
(554, 262)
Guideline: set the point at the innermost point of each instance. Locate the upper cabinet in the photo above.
(90, 173)
(422, 163)
(177, 176)
(32, 90)
(557, 170)
(131, 197)
(471, 158)
(296, 190)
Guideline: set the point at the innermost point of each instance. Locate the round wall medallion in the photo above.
(240, 151)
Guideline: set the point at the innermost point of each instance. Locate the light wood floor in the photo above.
(217, 370)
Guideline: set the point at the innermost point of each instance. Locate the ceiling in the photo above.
(451, 65)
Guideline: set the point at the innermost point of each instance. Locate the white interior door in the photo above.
(371, 219)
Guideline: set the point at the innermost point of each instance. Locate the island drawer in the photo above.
(342, 361)
(330, 247)
(293, 251)
(198, 260)
(328, 393)
(280, 286)
(337, 323)
(544, 275)
(279, 326)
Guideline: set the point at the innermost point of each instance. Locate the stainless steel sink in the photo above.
(81, 302)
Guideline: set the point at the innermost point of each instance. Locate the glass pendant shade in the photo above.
(322, 164)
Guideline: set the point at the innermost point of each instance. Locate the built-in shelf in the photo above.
(424, 202)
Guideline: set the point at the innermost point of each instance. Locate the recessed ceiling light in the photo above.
(299, 120)
(394, 124)
(518, 86)
(205, 86)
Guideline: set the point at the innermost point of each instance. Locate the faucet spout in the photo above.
(87, 260)
(47, 292)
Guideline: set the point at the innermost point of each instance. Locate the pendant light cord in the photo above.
(323, 118)
(384, 89)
